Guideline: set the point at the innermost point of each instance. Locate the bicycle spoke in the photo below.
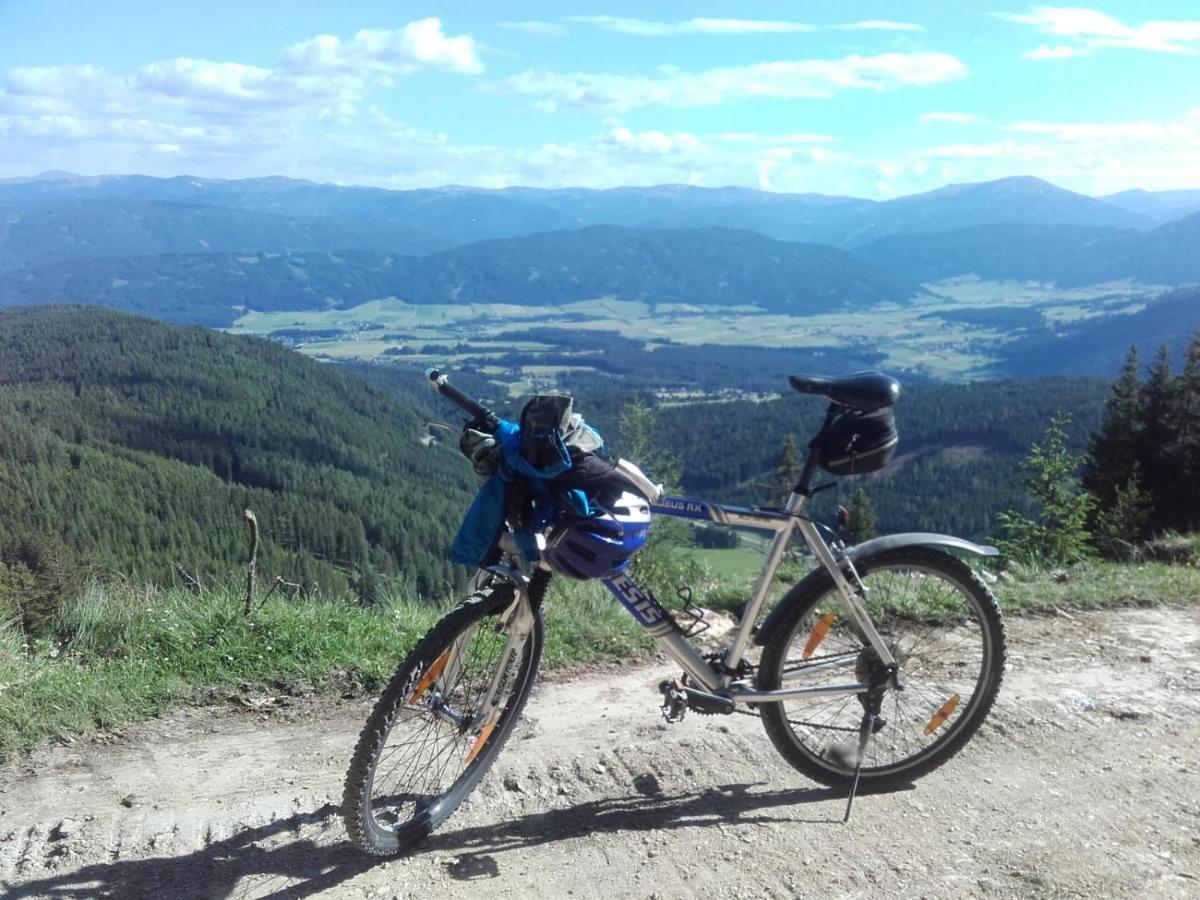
(937, 635)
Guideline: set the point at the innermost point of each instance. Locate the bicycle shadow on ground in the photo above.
(241, 867)
(649, 810)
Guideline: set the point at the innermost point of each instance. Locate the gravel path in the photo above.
(1083, 783)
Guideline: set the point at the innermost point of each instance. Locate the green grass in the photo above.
(739, 563)
(130, 653)
(1097, 584)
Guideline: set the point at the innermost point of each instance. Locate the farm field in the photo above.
(956, 329)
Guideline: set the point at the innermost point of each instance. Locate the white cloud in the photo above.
(1058, 51)
(419, 44)
(822, 156)
(62, 90)
(950, 118)
(754, 137)
(1088, 30)
(809, 79)
(655, 142)
(878, 25)
(1091, 157)
(647, 28)
(1101, 131)
(652, 28)
(211, 114)
(1006, 150)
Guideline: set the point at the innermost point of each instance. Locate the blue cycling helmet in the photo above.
(599, 546)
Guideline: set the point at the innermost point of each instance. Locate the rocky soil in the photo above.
(1084, 783)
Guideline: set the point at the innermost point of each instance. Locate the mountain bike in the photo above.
(874, 669)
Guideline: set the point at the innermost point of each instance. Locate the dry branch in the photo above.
(252, 525)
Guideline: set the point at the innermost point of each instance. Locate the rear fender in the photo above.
(818, 578)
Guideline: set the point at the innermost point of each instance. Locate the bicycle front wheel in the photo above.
(430, 739)
(944, 629)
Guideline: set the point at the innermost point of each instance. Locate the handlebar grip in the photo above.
(469, 405)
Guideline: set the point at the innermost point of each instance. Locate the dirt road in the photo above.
(1085, 782)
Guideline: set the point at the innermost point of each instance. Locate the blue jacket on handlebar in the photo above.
(485, 518)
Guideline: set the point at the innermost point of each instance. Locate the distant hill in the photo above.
(1097, 346)
(700, 266)
(1162, 206)
(449, 215)
(96, 229)
(138, 444)
(1065, 254)
(1019, 200)
(461, 215)
(704, 266)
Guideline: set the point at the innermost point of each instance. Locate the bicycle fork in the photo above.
(516, 622)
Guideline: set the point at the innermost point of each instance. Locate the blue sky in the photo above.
(865, 98)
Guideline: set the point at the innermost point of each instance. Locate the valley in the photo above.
(958, 328)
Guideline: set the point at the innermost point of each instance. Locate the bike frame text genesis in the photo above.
(785, 523)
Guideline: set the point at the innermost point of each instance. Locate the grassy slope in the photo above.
(133, 652)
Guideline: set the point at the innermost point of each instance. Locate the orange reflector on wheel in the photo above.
(818, 634)
(434, 671)
(484, 734)
(940, 717)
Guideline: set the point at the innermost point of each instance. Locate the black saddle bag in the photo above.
(856, 443)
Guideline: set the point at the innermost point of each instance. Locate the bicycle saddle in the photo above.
(864, 390)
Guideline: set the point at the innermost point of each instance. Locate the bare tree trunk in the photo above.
(252, 524)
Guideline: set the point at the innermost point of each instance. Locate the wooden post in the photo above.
(252, 524)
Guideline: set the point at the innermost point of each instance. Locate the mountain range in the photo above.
(709, 266)
(453, 215)
(203, 250)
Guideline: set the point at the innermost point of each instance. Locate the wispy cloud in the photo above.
(1007, 150)
(754, 137)
(950, 118)
(710, 26)
(877, 25)
(545, 29)
(672, 87)
(649, 28)
(1085, 31)
(1075, 132)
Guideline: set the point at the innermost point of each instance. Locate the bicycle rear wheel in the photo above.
(944, 628)
(428, 741)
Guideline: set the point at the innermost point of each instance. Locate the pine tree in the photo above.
(788, 465)
(1060, 534)
(1113, 451)
(1124, 521)
(1187, 439)
(640, 444)
(862, 517)
(1156, 419)
(659, 565)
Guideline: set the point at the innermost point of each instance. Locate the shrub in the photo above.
(1059, 536)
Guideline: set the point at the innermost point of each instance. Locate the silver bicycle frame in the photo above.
(785, 524)
(662, 626)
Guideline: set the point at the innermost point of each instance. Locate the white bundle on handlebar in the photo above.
(649, 489)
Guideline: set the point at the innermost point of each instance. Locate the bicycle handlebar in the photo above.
(478, 411)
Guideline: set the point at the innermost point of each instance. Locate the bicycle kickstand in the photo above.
(867, 727)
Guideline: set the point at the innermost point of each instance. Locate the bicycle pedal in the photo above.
(674, 706)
